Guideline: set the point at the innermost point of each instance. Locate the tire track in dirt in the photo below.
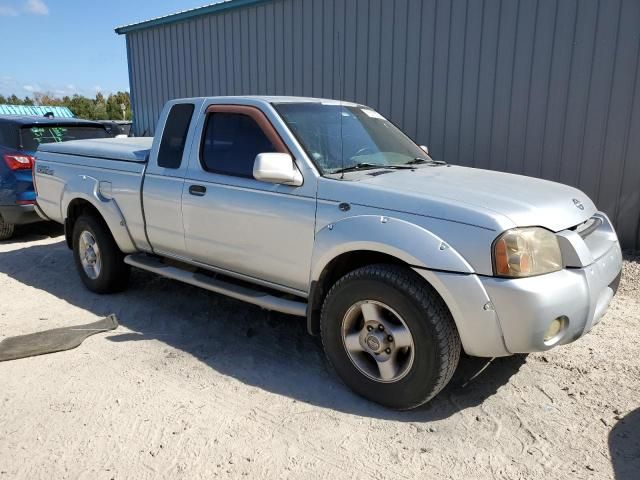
(234, 404)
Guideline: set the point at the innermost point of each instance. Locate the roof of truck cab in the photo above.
(132, 149)
(274, 99)
(283, 99)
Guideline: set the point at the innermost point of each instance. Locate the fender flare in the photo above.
(406, 241)
(91, 190)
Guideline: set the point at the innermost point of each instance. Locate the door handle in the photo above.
(197, 190)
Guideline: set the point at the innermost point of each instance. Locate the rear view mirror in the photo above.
(276, 168)
(425, 148)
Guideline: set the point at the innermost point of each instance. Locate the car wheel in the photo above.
(98, 259)
(389, 336)
(6, 229)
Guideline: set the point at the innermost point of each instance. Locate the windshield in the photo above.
(33, 136)
(339, 137)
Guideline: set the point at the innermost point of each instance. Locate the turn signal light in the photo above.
(18, 161)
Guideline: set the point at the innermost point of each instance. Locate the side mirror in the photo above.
(276, 168)
(425, 148)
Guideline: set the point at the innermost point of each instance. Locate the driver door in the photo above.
(235, 223)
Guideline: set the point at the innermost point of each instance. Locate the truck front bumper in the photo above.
(19, 214)
(579, 297)
(498, 316)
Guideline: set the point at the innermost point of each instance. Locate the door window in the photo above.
(231, 143)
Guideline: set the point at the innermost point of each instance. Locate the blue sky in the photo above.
(69, 46)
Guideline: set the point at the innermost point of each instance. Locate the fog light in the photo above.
(552, 335)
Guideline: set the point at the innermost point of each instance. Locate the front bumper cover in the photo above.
(526, 307)
(498, 317)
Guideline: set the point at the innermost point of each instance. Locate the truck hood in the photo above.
(476, 196)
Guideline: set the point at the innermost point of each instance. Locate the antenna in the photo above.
(341, 94)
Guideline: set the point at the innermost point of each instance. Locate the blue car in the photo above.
(19, 140)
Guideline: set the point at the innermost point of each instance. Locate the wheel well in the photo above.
(336, 269)
(76, 208)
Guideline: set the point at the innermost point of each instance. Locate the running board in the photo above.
(249, 295)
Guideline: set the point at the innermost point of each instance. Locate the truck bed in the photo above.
(134, 149)
(107, 173)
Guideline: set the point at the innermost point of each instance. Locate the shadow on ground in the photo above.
(35, 231)
(624, 447)
(262, 349)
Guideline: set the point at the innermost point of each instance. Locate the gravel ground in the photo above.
(194, 385)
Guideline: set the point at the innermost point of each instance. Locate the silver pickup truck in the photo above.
(325, 210)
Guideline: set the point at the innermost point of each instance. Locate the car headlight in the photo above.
(524, 252)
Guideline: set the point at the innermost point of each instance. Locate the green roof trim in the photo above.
(36, 110)
(187, 14)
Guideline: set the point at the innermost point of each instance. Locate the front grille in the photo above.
(587, 228)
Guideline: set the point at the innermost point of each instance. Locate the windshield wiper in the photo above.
(368, 166)
(420, 161)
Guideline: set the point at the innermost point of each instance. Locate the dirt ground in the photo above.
(194, 385)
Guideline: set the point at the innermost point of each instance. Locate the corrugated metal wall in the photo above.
(547, 88)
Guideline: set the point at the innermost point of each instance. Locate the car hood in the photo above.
(470, 195)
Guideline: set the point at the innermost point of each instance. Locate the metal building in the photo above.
(547, 88)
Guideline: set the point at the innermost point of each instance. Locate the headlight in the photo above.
(524, 252)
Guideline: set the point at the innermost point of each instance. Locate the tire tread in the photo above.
(429, 301)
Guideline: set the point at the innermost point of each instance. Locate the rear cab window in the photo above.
(34, 135)
(174, 135)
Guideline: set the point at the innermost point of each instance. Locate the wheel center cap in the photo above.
(373, 343)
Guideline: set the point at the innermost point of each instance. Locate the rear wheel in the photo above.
(389, 336)
(6, 229)
(98, 259)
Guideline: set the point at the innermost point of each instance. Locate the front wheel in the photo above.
(98, 259)
(389, 336)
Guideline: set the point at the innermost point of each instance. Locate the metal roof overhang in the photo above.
(213, 8)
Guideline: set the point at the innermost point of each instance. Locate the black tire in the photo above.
(114, 273)
(435, 337)
(6, 229)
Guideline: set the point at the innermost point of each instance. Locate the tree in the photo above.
(81, 106)
(98, 108)
(114, 105)
(41, 98)
(99, 111)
